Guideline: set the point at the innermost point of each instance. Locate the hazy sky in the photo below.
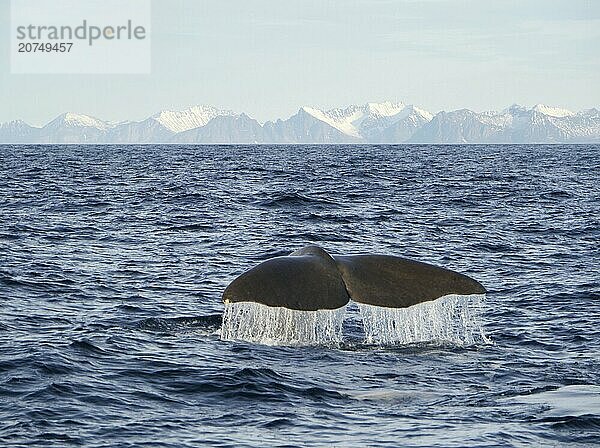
(268, 57)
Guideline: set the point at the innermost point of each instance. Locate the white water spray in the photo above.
(452, 318)
(255, 322)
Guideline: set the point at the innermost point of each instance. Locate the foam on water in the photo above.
(255, 322)
(452, 318)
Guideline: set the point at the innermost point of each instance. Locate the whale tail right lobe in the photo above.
(395, 282)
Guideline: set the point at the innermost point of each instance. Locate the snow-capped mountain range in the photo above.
(386, 122)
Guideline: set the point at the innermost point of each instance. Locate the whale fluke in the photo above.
(310, 279)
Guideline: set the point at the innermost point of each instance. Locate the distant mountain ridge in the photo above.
(374, 123)
(517, 124)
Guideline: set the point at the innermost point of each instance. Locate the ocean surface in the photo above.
(113, 260)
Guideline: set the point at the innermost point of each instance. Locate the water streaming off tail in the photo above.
(263, 324)
(452, 318)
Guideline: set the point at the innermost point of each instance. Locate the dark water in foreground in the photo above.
(112, 261)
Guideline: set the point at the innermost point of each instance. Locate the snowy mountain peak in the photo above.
(410, 109)
(14, 124)
(70, 119)
(340, 119)
(362, 121)
(194, 117)
(514, 109)
(553, 111)
(549, 111)
(385, 109)
(593, 112)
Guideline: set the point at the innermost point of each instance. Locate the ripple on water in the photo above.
(114, 259)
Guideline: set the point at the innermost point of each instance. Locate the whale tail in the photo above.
(310, 279)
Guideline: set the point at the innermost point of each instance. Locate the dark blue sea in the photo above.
(113, 260)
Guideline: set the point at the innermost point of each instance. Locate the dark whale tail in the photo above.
(310, 279)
